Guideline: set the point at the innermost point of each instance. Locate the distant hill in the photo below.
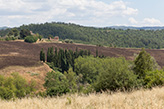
(128, 38)
(3, 28)
(137, 28)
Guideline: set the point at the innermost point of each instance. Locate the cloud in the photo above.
(78, 11)
(145, 22)
(133, 21)
(151, 21)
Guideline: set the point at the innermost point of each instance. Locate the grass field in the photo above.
(141, 99)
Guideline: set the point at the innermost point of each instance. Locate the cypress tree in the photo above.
(97, 54)
(89, 52)
(55, 60)
(42, 55)
(48, 55)
(51, 54)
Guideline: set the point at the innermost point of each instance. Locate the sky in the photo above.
(98, 13)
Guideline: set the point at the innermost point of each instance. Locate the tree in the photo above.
(24, 33)
(56, 84)
(144, 63)
(115, 74)
(87, 66)
(72, 78)
(97, 54)
(31, 39)
(42, 55)
(154, 78)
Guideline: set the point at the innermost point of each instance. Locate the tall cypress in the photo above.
(42, 55)
(97, 54)
(48, 55)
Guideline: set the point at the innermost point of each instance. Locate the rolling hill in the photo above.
(16, 53)
(130, 38)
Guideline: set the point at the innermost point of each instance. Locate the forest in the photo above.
(131, 38)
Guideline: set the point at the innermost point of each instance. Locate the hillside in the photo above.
(141, 99)
(137, 28)
(15, 53)
(3, 28)
(99, 36)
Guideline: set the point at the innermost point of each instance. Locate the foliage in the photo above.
(31, 39)
(110, 74)
(10, 38)
(154, 78)
(13, 32)
(42, 55)
(24, 33)
(15, 86)
(72, 80)
(56, 84)
(98, 36)
(143, 63)
(68, 41)
(50, 54)
(89, 67)
(64, 59)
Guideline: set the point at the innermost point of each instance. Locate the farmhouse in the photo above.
(56, 38)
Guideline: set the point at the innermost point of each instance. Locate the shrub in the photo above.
(15, 86)
(56, 84)
(115, 74)
(31, 39)
(6, 93)
(88, 67)
(10, 38)
(154, 78)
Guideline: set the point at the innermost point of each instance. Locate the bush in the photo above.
(68, 41)
(56, 84)
(89, 67)
(6, 93)
(115, 74)
(154, 78)
(10, 38)
(31, 39)
(15, 86)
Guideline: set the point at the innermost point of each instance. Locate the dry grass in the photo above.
(36, 73)
(148, 99)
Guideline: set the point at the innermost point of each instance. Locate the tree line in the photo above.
(98, 36)
(90, 73)
(63, 59)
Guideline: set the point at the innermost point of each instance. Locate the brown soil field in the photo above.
(16, 53)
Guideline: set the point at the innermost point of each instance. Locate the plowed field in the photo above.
(15, 53)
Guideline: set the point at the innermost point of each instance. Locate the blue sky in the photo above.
(99, 13)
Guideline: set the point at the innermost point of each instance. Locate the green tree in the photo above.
(31, 39)
(89, 67)
(42, 55)
(154, 78)
(115, 74)
(24, 33)
(97, 54)
(143, 63)
(72, 79)
(56, 84)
